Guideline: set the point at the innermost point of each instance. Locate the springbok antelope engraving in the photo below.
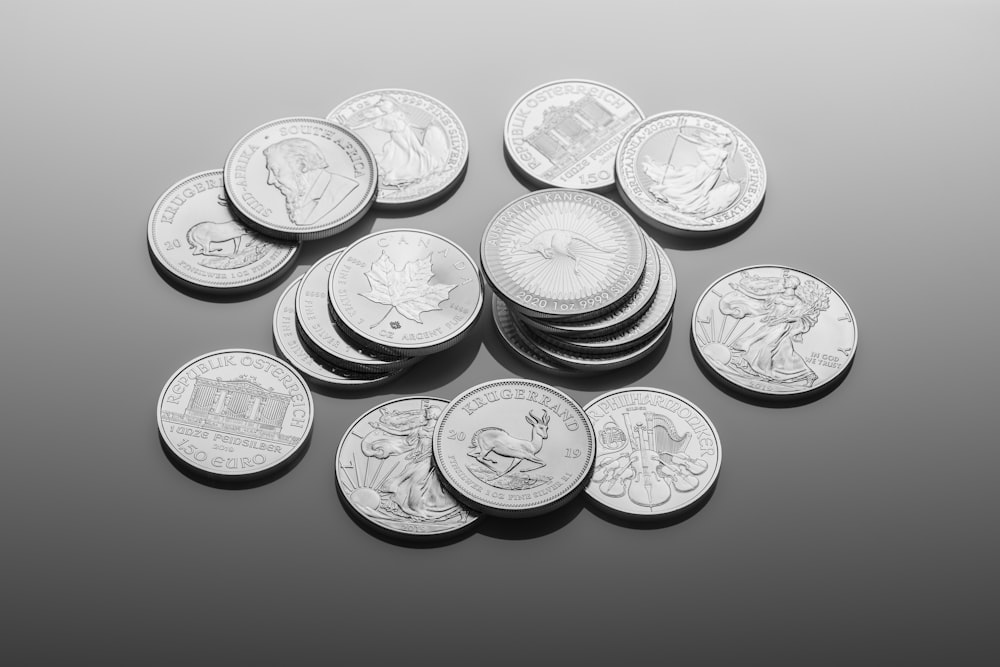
(497, 441)
(205, 238)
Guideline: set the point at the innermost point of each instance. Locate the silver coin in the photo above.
(195, 236)
(686, 171)
(657, 453)
(289, 345)
(509, 334)
(301, 178)
(774, 331)
(514, 447)
(406, 292)
(234, 414)
(563, 254)
(420, 146)
(386, 471)
(321, 332)
(565, 134)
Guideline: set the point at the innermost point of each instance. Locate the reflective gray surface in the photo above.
(857, 528)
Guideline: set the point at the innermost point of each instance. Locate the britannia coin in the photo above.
(514, 447)
(657, 453)
(386, 472)
(689, 172)
(565, 134)
(235, 414)
(563, 254)
(406, 292)
(774, 331)
(420, 145)
(196, 238)
(288, 342)
(320, 330)
(301, 178)
(511, 337)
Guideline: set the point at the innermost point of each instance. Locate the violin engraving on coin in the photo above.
(775, 331)
(386, 472)
(195, 236)
(657, 453)
(565, 134)
(514, 447)
(234, 414)
(420, 146)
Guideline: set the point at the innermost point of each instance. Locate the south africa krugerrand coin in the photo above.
(289, 344)
(420, 146)
(657, 453)
(198, 240)
(514, 448)
(565, 134)
(563, 254)
(234, 414)
(774, 331)
(406, 292)
(386, 472)
(511, 337)
(689, 172)
(301, 178)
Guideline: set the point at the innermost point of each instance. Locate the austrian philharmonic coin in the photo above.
(565, 134)
(514, 447)
(288, 342)
(301, 178)
(563, 254)
(197, 239)
(511, 337)
(234, 414)
(657, 453)
(386, 472)
(420, 146)
(689, 172)
(774, 331)
(406, 292)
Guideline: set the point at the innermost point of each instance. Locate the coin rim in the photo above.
(515, 343)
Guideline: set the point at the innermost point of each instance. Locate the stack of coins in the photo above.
(578, 286)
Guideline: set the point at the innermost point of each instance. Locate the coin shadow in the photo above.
(313, 251)
(223, 295)
(652, 523)
(245, 482)
(532, 527)
(517, 174)
(420, 208)
(437, 370)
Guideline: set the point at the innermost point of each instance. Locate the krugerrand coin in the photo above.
(565, 134)
(511, 337)
(301, 178)
(563, 254)
(406, 292)
(288, 342)
(514, 447)
(689, 172)
(774, 331)
(386, 472)
(420, 146)
(320, 330)
(235, 414)
(657, 453)
(196, 238)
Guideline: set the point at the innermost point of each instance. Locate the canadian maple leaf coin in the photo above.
(406, 292)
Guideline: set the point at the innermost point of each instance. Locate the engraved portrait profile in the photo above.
(312, 190)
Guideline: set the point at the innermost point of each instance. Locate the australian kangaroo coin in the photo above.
(511, 337)
(514, 447)
(657, 453)
(386, 472)
(301, 178)
(197, 239)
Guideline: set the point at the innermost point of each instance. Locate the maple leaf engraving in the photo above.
(408, 290)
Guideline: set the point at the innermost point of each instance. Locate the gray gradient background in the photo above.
(861, 527)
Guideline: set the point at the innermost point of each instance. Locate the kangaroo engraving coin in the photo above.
(657, 453)
(196, 238)
(320, 330)
(563, 254)
(234, 414)
(689, 172)
(565, 134)
(511, 337)
(406, 292)
(301, 178)
(774, 331)
(386, 472)
(420, 146)
(514, 447)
